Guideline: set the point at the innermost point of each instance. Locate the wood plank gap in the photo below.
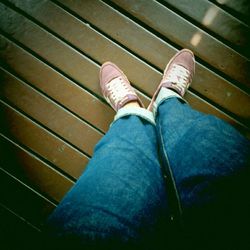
(237, 119)
(65, 150)
(101, 98)
(48, 195)
(20, 218)
(7, 36)
(51, 98)
(32, 19)
(54, 204)
(204, 28)
(40, 67)
(200, 99)
(104, 34)
(94, 27)
(124, 12)
(31, 152)
(28, 195)
(220, 91)
(51, 131)
(235, 14)
(3, 100)
(44, 127)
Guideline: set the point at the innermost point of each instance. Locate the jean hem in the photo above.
(163, 95)
(141, 112)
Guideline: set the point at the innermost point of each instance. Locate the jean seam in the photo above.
(171, 176)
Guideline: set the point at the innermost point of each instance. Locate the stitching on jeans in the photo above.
(169, 170)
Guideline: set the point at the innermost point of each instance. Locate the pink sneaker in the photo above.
(115, 86)
(177, 75)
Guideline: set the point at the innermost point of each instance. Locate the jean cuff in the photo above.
(141, 112)
(163, 95)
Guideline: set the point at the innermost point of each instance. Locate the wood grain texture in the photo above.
(23, 130)
(238, 8)
(52, 83)
(48, 113)
(52, 111)
(158, 52)
(32, 171)
(216, 20)
(24, 201)
(182, 32)
(16, 232)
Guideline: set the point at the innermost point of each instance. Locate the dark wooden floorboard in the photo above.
(185, 34)
(63, 90)
(24, 131)
(52, 111)
(156, 51)
(215, 20)
(16, 232)
(32, 171)
(24, 201)
(48, 113)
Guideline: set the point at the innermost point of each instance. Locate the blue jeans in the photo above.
(181, 183)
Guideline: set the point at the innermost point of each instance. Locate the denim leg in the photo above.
(209, 162)
(120, 199)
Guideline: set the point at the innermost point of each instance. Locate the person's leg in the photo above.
(121, 195)
(209, 162)
(120, 200)
(206, 162)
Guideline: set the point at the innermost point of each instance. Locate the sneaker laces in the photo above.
(178, 75)
(118, 88)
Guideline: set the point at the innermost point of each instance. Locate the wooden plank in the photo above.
(50, 41)
(21, 129)
(23, 200)
(74, 64)
(158, 52)
(216, 20)
(58, 87)
(16, 232)
(32, 171)
(48, 113)
(185, 34)
(239, 8)
(203, 106)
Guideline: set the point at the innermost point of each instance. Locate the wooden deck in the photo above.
(52, 113)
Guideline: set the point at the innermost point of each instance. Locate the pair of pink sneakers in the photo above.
(177, 76)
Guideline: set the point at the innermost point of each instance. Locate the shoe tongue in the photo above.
(112, 75)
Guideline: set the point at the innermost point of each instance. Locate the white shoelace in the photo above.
(178, 75)
(118, 89)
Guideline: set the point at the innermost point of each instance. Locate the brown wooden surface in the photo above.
(215, 20)
(24, 201)
(52, 112)
(32, 171)
(177, 29)
(58, 87)
(12, 224)
(45, 111)
(239, 8)
(158, 53)
(21, 129)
